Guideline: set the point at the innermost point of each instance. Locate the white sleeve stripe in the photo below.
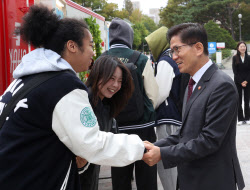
(65, 182)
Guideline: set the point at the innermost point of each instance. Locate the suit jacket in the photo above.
(241, 70)
(204, 149)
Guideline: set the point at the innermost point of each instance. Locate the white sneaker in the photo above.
(241, 123)
(248, 122)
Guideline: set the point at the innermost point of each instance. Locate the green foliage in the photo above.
(224, 11)
(140, 32)
(96, 34)
(136, 16)
(109, 11)
(95, 5)
(137, 39)
(217, 34)
(143, 25)
(245, 24)
(122, 14)
(149, 23)
(129, 6)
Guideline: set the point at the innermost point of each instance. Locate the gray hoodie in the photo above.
(41, 60)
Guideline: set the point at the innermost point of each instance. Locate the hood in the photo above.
(41, 60)
(120, 32)
(157, 42)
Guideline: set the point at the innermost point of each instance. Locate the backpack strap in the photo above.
(34, 82)
(134, 57)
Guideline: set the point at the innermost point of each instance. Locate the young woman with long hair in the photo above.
(241, 69)
(110, 86)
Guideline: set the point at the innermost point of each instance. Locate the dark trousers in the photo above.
(89, 178)
(145, 176)
(246, 115)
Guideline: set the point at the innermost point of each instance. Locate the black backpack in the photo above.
(133, 111)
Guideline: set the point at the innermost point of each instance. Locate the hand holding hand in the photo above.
(153, 155)
(80, 162)
(147, 142)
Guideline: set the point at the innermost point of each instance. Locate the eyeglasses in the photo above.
(176, 49)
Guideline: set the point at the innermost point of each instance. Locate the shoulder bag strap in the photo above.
(134, 57)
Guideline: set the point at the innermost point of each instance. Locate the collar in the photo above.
(197, 76)
(119, 46)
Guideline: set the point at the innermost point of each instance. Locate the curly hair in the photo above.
(42, 28)
(102, 70)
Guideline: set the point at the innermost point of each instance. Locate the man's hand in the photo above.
(153, 155)
(244, 84)
(80, 162)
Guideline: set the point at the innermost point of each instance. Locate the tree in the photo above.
(136, 16)
(129, 6)
(178, 11)
(245, 24)
(217, 34)
(217, 11)
(109, 11)
(122, 14)
(140, 32)
(174, 13)
(149, 23)
(95, 5)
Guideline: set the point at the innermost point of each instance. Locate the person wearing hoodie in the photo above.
(168, 79)
(121, 37)
(54, 122)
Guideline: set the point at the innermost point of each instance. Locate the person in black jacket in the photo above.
(241, 69)
(109, 82)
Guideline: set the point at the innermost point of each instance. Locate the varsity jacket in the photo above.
(50, 126)
(167, 77)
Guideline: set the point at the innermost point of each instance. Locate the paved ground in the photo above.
(242, 143)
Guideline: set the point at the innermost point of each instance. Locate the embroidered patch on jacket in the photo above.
(87, 117)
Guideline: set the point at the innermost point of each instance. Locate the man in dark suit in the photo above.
(204, 149)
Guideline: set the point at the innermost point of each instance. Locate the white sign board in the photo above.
(220, 45)
(218, 58)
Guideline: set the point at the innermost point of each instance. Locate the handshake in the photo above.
(153, 155)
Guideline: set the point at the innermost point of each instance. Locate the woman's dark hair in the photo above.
(42, 28)
(238, 52)
(190, 33)
(102, 70)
